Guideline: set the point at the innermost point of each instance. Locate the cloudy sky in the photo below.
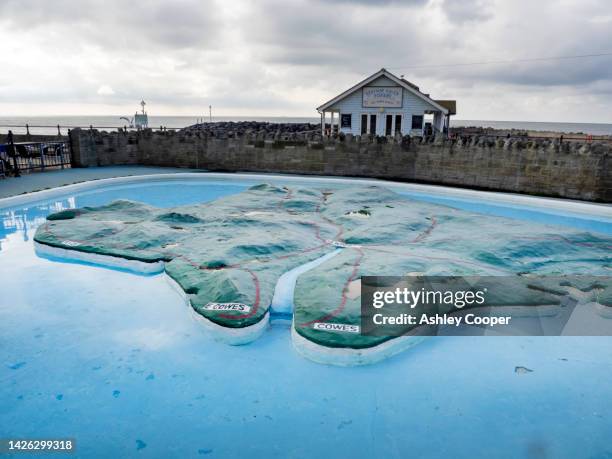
(285, 57)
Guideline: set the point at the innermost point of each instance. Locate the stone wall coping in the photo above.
(466, 141)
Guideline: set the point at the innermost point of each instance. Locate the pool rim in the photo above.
(538, 203)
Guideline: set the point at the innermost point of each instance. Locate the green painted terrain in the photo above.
(231, 250)
(234, 249)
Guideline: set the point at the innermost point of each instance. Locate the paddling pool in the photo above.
(116, 361)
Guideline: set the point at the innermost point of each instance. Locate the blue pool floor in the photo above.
(117, 361)
(130, 367)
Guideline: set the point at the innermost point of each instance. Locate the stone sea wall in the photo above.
(542, 167)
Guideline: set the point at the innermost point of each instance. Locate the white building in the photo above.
(384, 104)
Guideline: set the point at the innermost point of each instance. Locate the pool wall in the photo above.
(538, 167)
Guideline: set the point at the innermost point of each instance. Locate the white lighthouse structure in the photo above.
(141, 120)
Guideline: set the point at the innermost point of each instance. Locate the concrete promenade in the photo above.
(36, 181)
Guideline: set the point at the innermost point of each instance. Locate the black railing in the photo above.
(526, 135)
(19, 157)
(60, 130)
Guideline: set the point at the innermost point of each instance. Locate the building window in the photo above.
(364, 124)
(373, 124)
(398, 124)
(417, 121)
(345, 121)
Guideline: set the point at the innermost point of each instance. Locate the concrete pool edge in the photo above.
(345, 356)
(231, 336)
(536, 202)
(106, 261)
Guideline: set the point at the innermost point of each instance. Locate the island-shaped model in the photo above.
(228, 255)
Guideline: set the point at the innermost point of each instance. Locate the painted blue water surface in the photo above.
(117, 361)
(561, 218)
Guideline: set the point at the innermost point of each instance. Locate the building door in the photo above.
(393, 124)
(398, 124)
(364, 124)
(373, 124)
(389, 125)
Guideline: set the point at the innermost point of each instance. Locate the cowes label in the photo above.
(240, 307)
(331, 327)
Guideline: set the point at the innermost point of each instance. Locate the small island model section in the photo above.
(228, 255)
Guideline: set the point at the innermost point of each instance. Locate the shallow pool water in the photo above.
(117, 361)
(520, 212)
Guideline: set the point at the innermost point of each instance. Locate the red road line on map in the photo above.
(318, 233)
(339, 227)
(344, 299)
(255, 303)
(187, 259)
(254, 277)
(340, 231)
(288, 195)
(427, 232)
(256, 280)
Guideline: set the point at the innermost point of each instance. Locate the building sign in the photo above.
(71, 243)
(345, 120)
(382, 96)
(332, 327)
(240, 307)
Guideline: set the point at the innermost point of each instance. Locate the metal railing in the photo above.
(60, 130)
(19, 157)
(525, 135)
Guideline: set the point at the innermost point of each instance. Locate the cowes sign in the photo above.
(382, 96)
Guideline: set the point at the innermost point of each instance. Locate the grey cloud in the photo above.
(335, 37)
(378, 2)
(248, 55)
(566, 72)
(115, 23)
(461, 11)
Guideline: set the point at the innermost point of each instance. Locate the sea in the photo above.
(48, 124)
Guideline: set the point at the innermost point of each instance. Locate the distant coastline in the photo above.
(184, 121)
(539, 126)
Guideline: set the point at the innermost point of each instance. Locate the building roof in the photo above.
(410, 84)
(451, 105)
(410, 87)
